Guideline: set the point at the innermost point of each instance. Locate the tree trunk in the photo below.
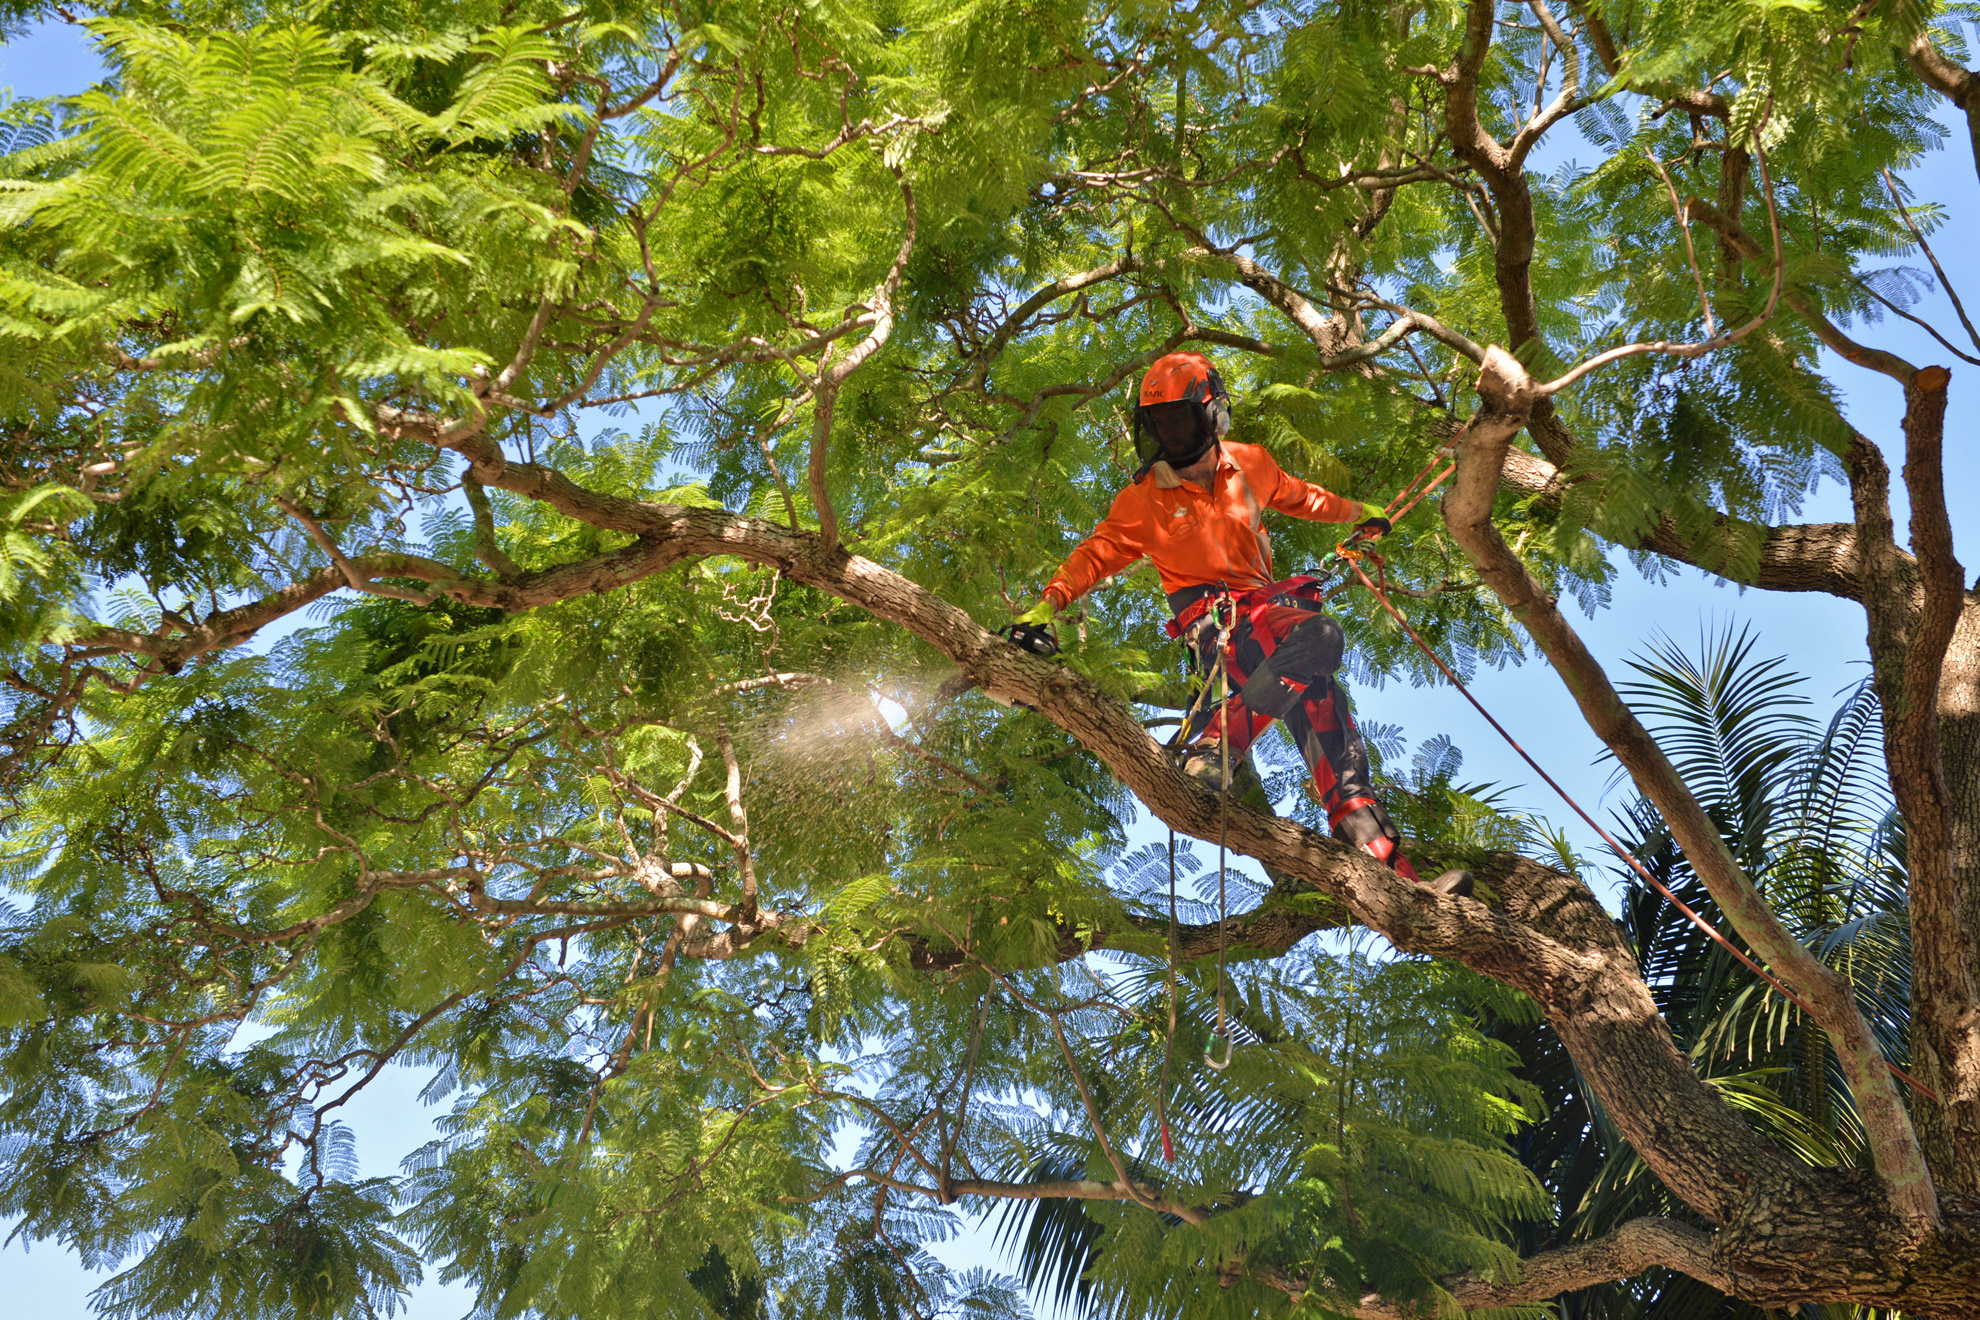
(1915, 615)
(1951, 1132)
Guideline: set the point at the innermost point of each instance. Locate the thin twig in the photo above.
(1690, 252)
(1937, 269)
(1705, 346)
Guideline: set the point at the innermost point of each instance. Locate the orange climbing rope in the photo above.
(1352, 553)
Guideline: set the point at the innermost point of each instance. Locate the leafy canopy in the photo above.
(735, 934)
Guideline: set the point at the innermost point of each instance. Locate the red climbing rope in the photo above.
(1419, 496)
(1437, 456)
(1352, 556)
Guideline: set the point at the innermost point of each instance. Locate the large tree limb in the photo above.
(1637, 1246)
(1959, 742)
(1508, 394)
(1500, 167)
(1910, 635)
(1798, 557)
(525, 591)
(1613, 57)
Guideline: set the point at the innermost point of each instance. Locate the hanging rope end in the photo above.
(1210, 1054)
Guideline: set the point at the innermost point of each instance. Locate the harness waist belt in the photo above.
(1191, 603)
(1188, 596)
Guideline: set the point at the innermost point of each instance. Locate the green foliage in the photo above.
(1369, 1115)
(701, 895)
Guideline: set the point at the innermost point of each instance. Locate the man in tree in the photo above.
(1195, 508)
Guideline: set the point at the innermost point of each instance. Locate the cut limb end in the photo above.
(1504, 383)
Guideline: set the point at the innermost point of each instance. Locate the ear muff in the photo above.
(1217, 405)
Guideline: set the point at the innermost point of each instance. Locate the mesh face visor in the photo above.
(1178, 432)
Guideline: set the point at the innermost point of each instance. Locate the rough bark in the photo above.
(1959, 751)
(1914, 604)
(1798, 557)
(1910, 636)
(1635, 1247)
(1499, 166)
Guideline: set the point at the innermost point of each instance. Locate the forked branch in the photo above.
(1509, 395)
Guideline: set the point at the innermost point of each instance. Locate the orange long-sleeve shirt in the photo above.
(1197, 536)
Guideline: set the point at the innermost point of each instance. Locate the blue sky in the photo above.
(1823, 637)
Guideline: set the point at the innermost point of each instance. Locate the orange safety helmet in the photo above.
(1183, 409)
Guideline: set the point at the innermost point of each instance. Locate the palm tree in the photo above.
(1805, 808)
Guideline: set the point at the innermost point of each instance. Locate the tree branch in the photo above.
(831, 375)
(1637, 1246)
(1798, 557)
(1909, 638)
(1712, 343)
(1874, 359)
(1959, 85)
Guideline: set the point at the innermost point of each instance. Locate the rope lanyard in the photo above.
(1224, 826)
(1223, 844)
(1352, 556)
(1169, 1041)
(1222, 679)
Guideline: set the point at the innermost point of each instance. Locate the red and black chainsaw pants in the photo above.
(1281, 659)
